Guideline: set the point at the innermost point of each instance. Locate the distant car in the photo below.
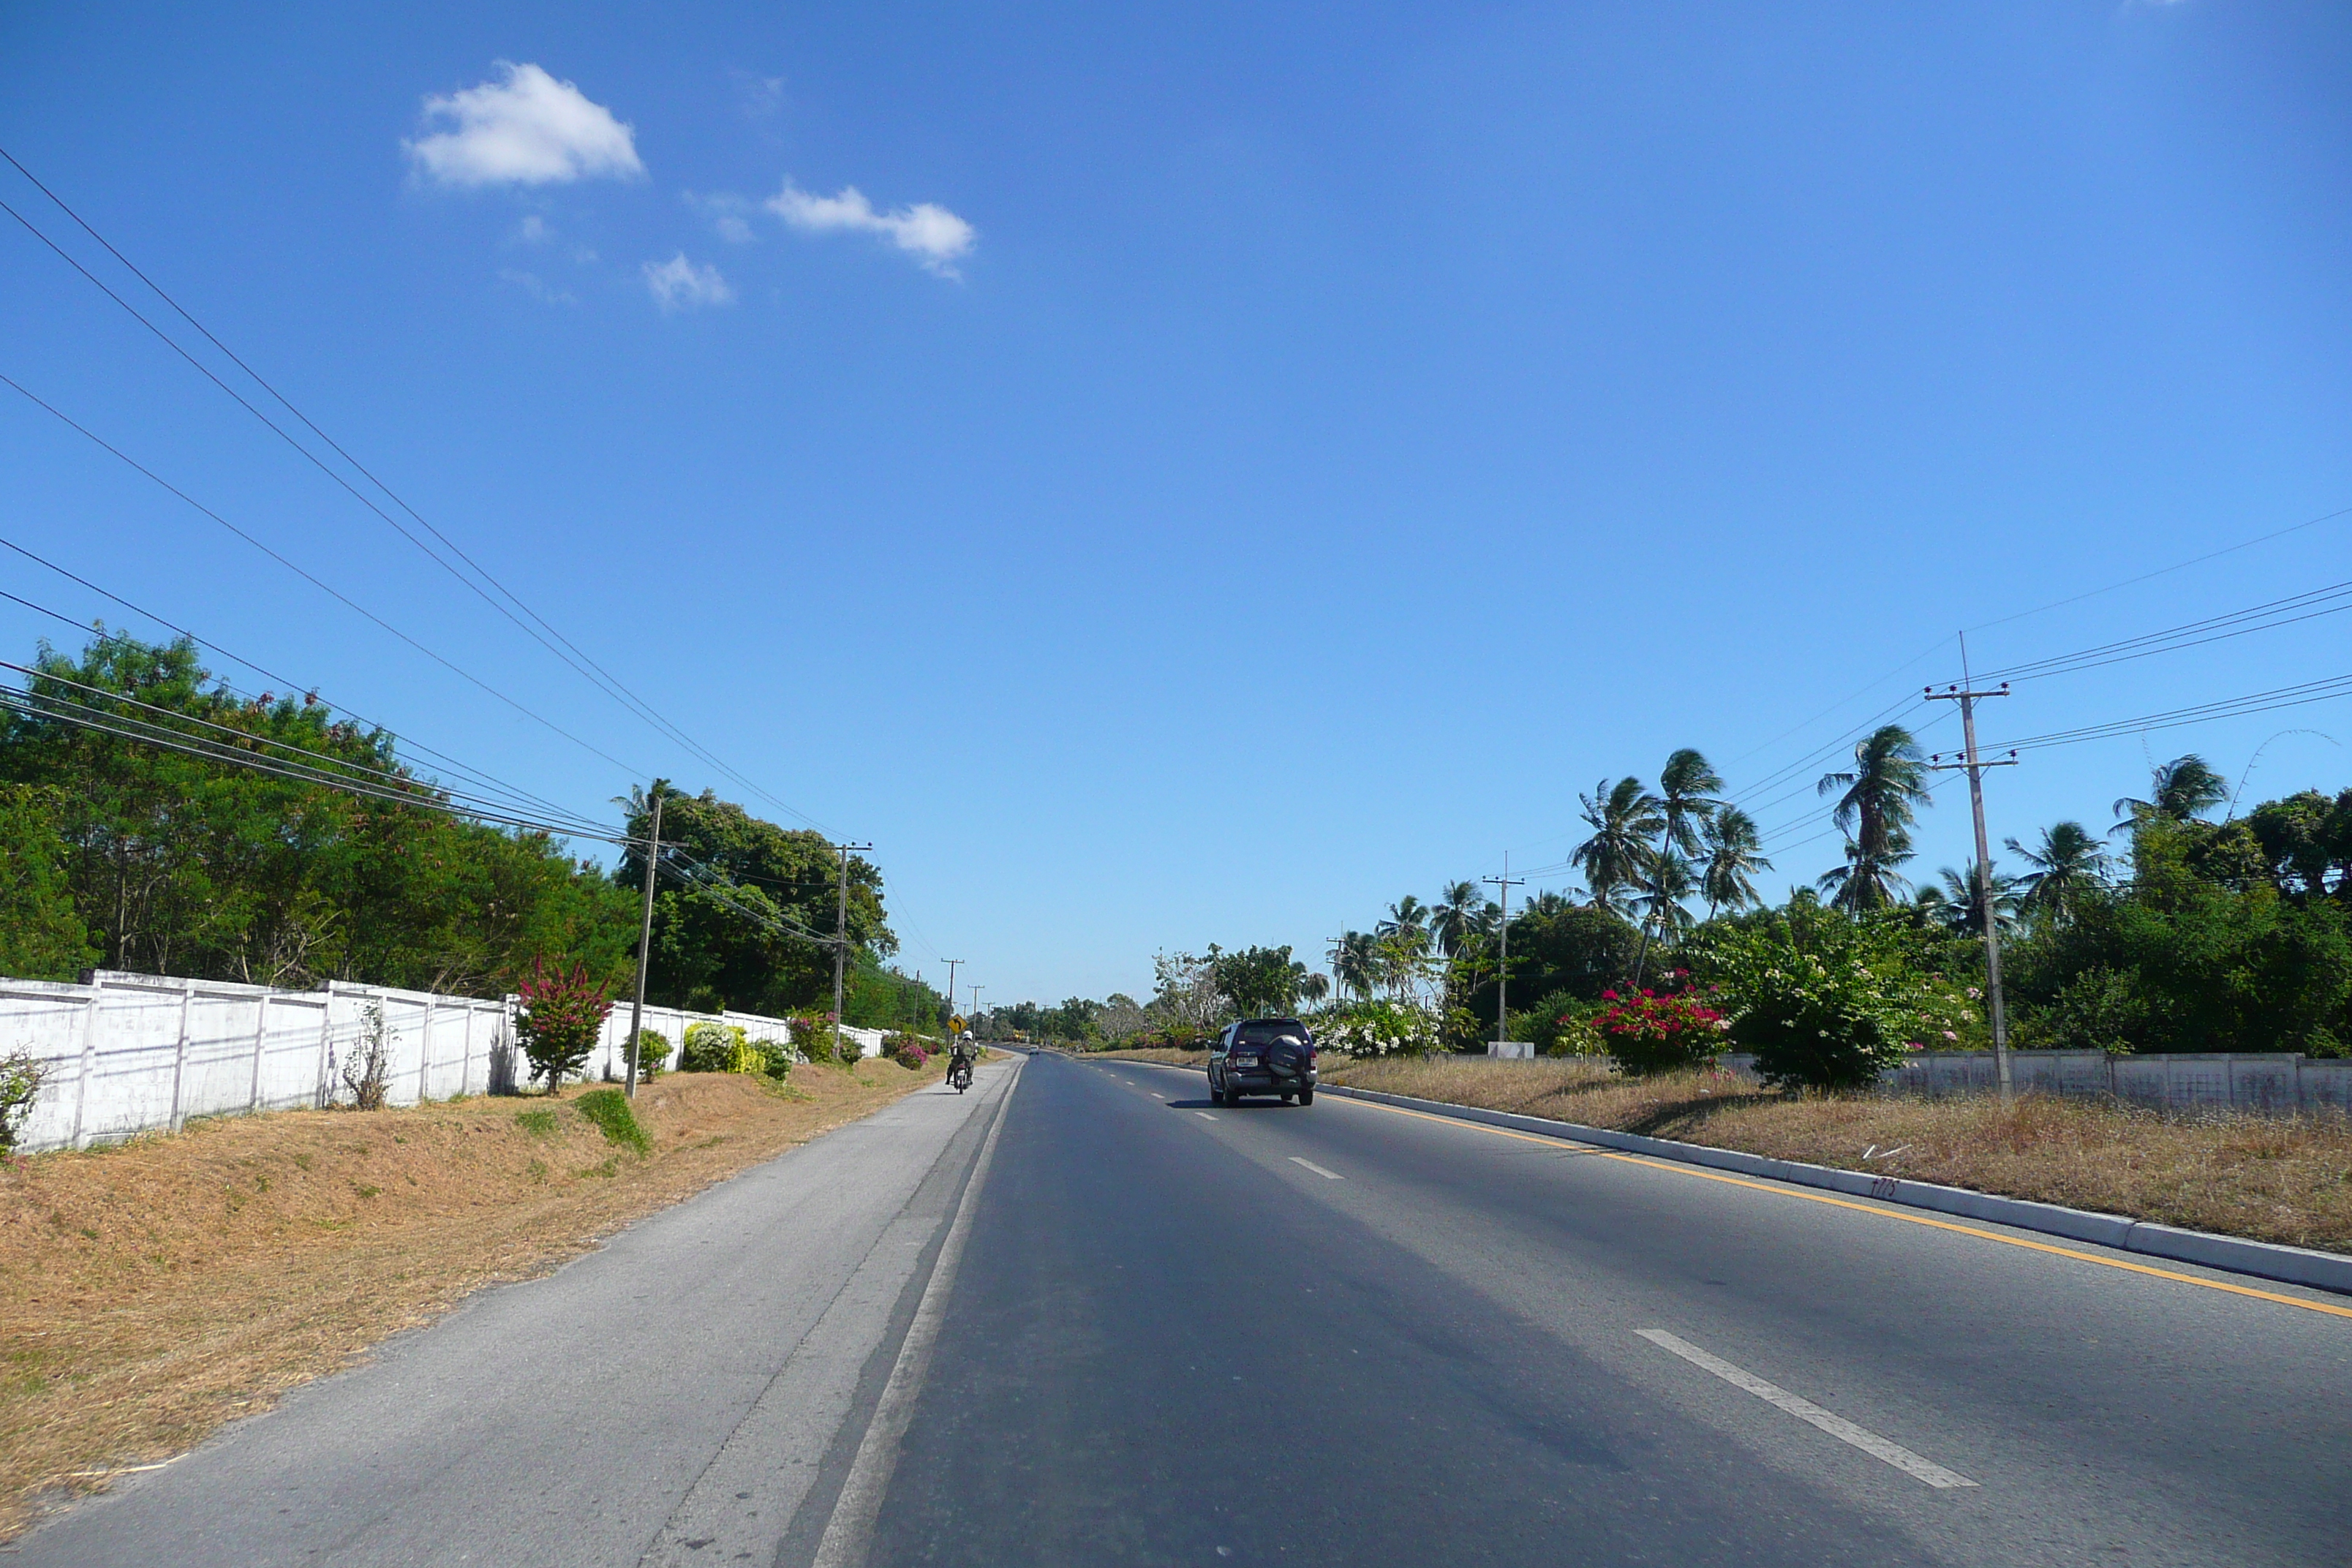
(1263, 1056)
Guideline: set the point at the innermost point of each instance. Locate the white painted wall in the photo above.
(138, 1052)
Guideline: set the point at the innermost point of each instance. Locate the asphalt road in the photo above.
(1342, 1334)
(1083, 1317)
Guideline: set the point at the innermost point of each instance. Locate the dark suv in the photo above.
(1263, 1056)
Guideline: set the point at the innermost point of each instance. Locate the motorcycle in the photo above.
(960, 1073)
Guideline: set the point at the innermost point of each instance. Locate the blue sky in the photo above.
(1227, 465)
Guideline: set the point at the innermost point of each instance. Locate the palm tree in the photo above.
(1407, 913)
(1547, 903)
(1355, 962)
(1624, 817)
(1686, 803)
(1954, 905)
(1314, 987)
(1883, 791)
(1462, 911)
(1660, 902)
(2068, 866)
(2185, 788)
(1731, 856)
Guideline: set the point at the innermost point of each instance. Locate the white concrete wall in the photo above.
(138, 1052)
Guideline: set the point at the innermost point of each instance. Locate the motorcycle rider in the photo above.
(962, 1056)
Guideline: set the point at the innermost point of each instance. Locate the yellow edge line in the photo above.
(1782, 1190)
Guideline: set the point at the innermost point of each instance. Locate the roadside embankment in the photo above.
(2284, 1179)
(150, 1290)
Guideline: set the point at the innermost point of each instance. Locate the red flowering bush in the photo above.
(1650, 1033)
(559, 1019)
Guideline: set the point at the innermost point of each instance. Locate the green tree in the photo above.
(1955, 909)
(41, 936)
(1730, 856)
(1624, 818)
(2069, 865)
(1881, 794)
(1259, 981)
(744, 918)
(2181, 790)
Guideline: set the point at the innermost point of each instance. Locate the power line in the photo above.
(340, 598)
(477, 776)
(569, 653)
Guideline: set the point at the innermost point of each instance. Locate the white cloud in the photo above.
(929, 233)
(727, 214)
(532, 284)
(533, 230)
(678, 284)
(526, 130)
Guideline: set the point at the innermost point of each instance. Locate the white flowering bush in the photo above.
(1827, 1001)
(1378, 1028)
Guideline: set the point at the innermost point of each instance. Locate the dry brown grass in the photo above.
(2285, 1179)
(1156, 1053)
(150, 1292)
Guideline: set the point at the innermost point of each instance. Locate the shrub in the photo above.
(712, 1046)
(1826, 1000)
(1378, 1028)
(1650, 1033)
(367, 1072)
(21, 1073)
(652, 1050)
(609, 1110)
(562, 1015)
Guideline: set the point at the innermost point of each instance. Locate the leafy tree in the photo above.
(2307, 840)
(1731, 853)
(41, 936)
(2069, 865)
(1259, 981)
(1882, 793)
(1578, 950)
(744, 921)
(1624, 818)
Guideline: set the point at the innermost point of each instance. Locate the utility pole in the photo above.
(1503, 962)
(951, 1012)
(1974, 766)
(645, 938)
(841, 942)
(975, 1004)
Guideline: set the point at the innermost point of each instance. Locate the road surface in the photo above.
(1090, 1318)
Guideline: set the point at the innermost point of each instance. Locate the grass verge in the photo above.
(2284, 1179)
(152, 1290)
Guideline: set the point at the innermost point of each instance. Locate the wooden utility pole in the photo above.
(1502, 959)
(1975, 766)
(645, 938)
(841, 942)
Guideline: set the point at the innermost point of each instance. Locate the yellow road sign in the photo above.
(957, 1024)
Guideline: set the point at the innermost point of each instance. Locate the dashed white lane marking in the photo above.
(1327, 1175)
(1837, 1427)
(1205, 1116)
(1156, 1095)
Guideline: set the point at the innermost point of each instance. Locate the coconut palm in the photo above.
(1355, 962)
(2185, 788)
(1462, 911)
(1407, 913)
(1670, 881)
(1730, 859)
(2067, 868)
(1954, 905)
(1314, 987)
(1686, 787)
(1624, 817)
(1882, 795)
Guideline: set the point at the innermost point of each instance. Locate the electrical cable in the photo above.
(579, 662)
(518, 794)
(337, 595)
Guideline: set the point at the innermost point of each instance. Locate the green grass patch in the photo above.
(538, 1123)
(610, 1111)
